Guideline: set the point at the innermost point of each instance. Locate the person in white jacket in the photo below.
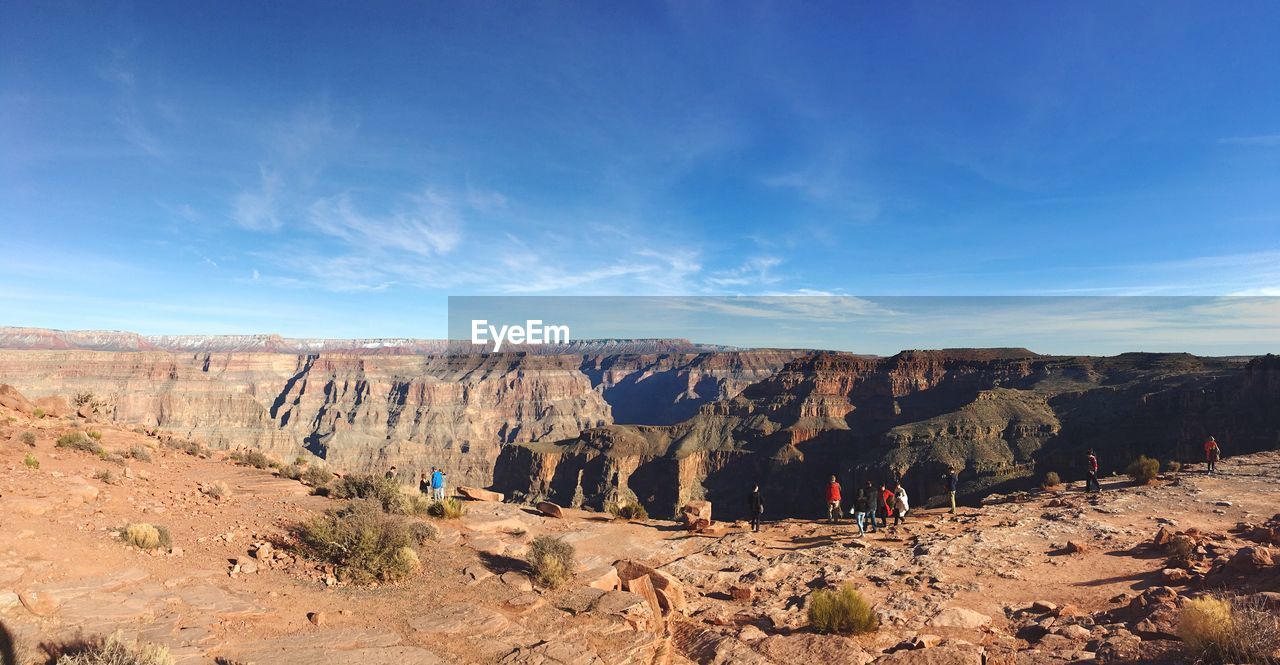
(900, 504)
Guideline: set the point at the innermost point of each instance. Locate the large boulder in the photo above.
(10, 398)
(550, 509)
(696, 515)
(669, 590)
(959, 617)
(477, 494)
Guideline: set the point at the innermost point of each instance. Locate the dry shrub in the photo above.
(217, 490)
(1051, 479)
(189, 447)
(842, 611)
(450, 509)
(291, 471)
(385, 491)
(628, 511)
(114, 650)
(1172, 466)
(104, 475)
(362, 542)
(316, 476)
(140, 453)
(94, 434)
(1244, 629)
(78, 441)
(1143, 470)
(552, 561)
(252, 458)
(31, 462)
(38, 413)
(28, 438)
(146, 536)
(423, 532)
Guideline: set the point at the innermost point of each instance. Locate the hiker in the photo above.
(437, 484)
(900, 505)
(886, 502)
(391, 473)
(1091, 483)
(953, 482)
(424, 483)
(864, 507)
(756, 504)
(1212, 453)
(833, 500)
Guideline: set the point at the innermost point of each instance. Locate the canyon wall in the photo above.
(1003, 416)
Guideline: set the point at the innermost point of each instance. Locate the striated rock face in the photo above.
(1001, 415)
(365, 411)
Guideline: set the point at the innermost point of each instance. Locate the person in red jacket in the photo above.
(886, 498)
(833, 500)
(1212, 453)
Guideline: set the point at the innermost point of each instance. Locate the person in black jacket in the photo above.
(865, 504)
(953, 483)
(756, 504)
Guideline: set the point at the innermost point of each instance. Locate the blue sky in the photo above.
(339, 169)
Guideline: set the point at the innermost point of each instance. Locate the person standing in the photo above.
(1212, 453)
(860, 503)
(867, 504)
(953, 483)
(886, 503)
(391, 473)
(1091, 483)
(833, 500)
(437, 484)
(900, 505)
(756, 504)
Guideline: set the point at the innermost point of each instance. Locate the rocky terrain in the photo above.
(1042, 577)
(1003, 416)
(365, 405)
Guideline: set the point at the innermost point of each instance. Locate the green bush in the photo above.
(28, 438)
(140, 453)
(450, 509)
(1143, 470)
(38, 413)
(363, 542)
(146, 536)
(1051, 479)
(316, 476)
(552, 561)
(78, 441)
(31, 462)
(385, 491)
(94, 434)
(842, 611)
(113, 650)
(628, 511)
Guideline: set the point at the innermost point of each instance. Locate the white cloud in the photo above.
(258, 209)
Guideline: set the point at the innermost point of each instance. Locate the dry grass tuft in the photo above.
(844, 611)
(114, 650)
(1217, 629)
(1143, 470)
(628, 511)
(140, 453)
(552, 561)
(78, 441)
(31, 462)
(1051, 479)
(450, 509)
(146, 536)
(28, 438)
(216, 490)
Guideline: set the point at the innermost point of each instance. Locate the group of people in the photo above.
(431, 484)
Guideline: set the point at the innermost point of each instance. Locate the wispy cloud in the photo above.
(756, 271)
(427, 224)
(258, 209)
(129, 113)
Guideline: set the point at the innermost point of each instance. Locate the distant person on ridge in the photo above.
(864, 506)
(391, 473)
(833, 500)
(756, 504)
(886, 502)
(1091, 482)
(437, 484)
(1212, 453)
(953, 482)
(900, 505)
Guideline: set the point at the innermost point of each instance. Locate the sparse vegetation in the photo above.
(628, 511)
(189, 447)
(114, 650)
(252, 458)
(450, 509)
(844, 611)
(38, 413)
(1051, 479)
(1143, 470)
(94, 434)
(316, 476)
(216, 490)
(31, 462)
(367, 486)
(146, 536)
(291, 471)
(78, 441)
(423, 532)
(28, 438)
(364, 543)
(1172, 466)
(1230, 630)
(140, 453)
(105, 476)
(552, 561)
